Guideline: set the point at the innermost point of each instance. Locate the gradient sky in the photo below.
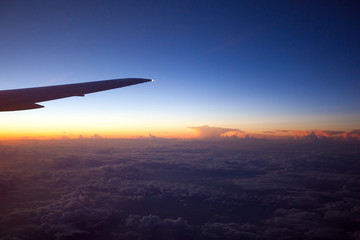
(249, 65)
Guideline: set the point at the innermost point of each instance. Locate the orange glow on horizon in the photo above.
(45, 134)
(60, 130)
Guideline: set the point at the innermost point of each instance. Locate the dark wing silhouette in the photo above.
(27, 98)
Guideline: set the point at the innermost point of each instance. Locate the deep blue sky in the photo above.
(227, 63)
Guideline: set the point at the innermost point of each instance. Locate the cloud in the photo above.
(208, 132)
(353, 134)
(180, 189)
(285, 131)
(229, 231)
(235, 133)
(66, 162)
(153, 227)
(152, 136)
(96, 136)
(313, 135)
(8, 182)
(300, 224)
(331, 133)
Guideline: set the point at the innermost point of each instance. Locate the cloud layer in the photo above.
(208, 132)
(176, 189)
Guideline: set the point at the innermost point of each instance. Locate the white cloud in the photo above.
(206, 131)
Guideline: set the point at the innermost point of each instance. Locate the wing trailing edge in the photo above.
(21, 107)
(27, 98)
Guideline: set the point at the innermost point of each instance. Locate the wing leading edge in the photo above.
(27, 98)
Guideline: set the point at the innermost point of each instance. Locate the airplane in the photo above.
(28, 98)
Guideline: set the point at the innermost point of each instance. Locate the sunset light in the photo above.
(250, 131)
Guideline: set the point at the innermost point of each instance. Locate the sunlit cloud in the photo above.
(206, 131)
(236, 133)
(331, 133)
(312, 134)
(353, 134)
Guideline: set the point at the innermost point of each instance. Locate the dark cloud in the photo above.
(300, 224)
(8, 181)
(106, 151)
(230, 231)
(180, 189)
(66, 162)
(153, 227)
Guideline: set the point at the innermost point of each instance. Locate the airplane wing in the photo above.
(28, 98)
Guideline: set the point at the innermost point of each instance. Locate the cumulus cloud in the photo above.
(152, 136)
(331, 133)
(313, 134)
(353, 134)
(8, 181)
(153, 227)
(234, 134)
(229, 231)
(300, 224)
(206, 131)
(96, 136)
(180, 189)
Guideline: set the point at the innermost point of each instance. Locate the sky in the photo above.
(252, 66)
(249, 131)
